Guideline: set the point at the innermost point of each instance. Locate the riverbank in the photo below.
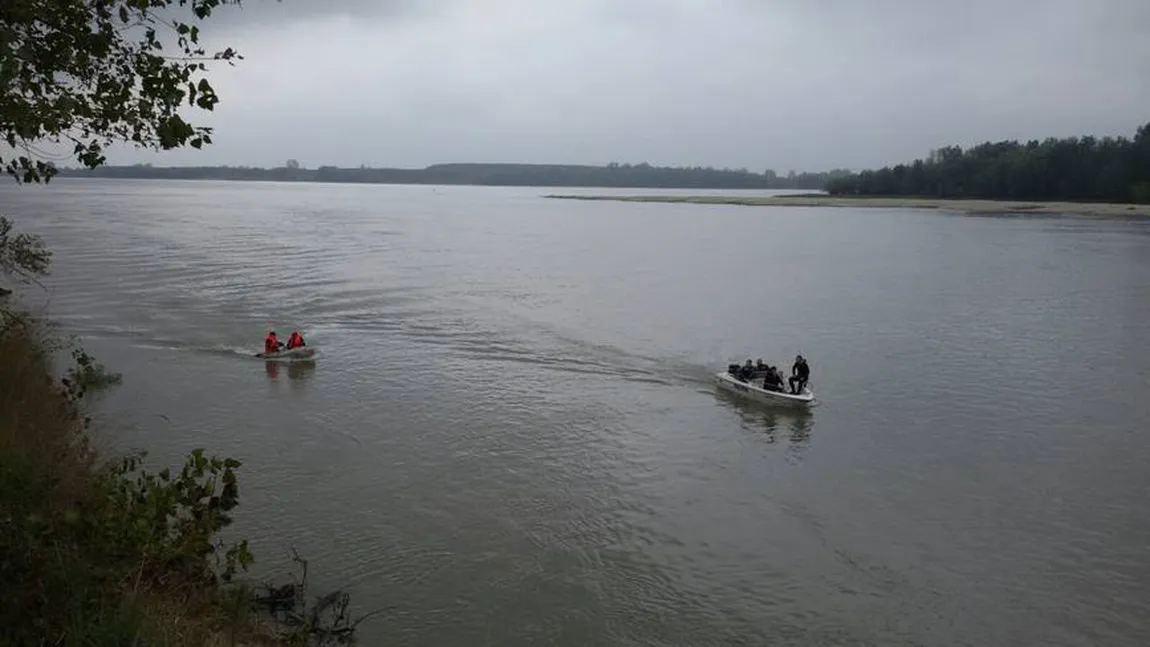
(98, 550)
(820, 200)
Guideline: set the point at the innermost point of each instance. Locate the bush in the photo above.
(88, 374)
(98, 551)
(107, 553)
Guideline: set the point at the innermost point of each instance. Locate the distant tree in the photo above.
(611, 175)
(292, 164)
(1074, 168)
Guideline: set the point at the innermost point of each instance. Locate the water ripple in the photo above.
(510, 436)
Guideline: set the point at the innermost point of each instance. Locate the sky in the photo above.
(781, 84)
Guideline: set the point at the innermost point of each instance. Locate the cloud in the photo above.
(786, 84)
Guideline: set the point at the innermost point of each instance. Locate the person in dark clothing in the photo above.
(800, 374)
(747, 372)
(773, 380)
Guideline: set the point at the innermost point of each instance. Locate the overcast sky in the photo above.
(783, 84)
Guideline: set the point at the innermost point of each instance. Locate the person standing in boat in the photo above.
(800, 374)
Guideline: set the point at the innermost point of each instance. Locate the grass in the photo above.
(100, 552)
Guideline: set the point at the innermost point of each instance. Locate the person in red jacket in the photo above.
(295, 340)
(271, 343)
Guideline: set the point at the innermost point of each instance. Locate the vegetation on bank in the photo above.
(571, 175)
(104, 552)
(1086, 169)
(97, 550)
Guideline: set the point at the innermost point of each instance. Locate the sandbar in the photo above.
(820, 200)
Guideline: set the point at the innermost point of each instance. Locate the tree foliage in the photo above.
(22, 255)
(87, 73)
(1113, 169)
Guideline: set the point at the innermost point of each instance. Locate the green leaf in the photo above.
(79, 75)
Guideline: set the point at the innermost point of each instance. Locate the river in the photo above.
(510, 437)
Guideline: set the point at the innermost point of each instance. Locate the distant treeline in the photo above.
(1111, 169)
(612, 175)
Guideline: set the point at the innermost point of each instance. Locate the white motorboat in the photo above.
(753, 390)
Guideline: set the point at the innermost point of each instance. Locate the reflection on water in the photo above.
(795, 423)
(295, 370)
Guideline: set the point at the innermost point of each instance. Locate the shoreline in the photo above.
(970, 206)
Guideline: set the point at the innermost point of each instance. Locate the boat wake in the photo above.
(462, 334)
(220, 350)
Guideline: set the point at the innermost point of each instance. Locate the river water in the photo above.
(510, 437)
